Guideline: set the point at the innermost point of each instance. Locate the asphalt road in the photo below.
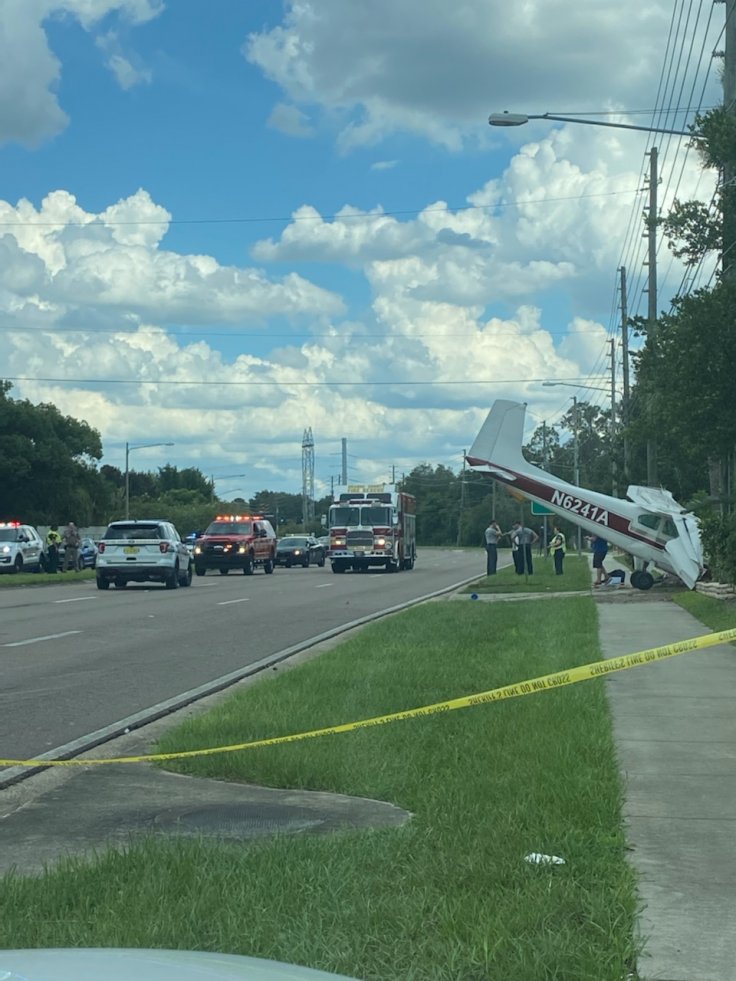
(76, 660)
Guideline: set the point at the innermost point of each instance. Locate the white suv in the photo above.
(21, 548)
(142, 551)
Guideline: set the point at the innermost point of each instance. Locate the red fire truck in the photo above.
(373, 525)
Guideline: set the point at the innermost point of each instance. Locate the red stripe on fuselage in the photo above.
(529, 485)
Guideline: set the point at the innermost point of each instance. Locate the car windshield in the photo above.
(127, 532)
(230, 528)
(8, 534)
(360, 516)
(293, 542)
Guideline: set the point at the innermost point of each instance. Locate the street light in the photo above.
(128, 450)
(520, 119)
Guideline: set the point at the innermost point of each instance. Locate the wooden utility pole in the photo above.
(462, 502)
(614, 474)
(728, 256)
(624, 414)
(652, 477)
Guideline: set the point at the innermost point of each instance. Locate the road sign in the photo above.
(540, 509)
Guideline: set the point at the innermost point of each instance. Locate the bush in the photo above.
(719, 545)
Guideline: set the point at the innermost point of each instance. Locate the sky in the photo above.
(224, 225)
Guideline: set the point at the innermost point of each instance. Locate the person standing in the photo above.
(524, 538)
(53, 540)
(557, 547)
(600, 551)
(72, 541)
(493, 534)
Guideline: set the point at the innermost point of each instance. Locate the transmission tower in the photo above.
(307, 477)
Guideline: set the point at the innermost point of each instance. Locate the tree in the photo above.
(47, 461)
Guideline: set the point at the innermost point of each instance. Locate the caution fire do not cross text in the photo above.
(531, 686)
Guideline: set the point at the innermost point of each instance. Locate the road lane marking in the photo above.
(76, 599)
(325, 585)
(37, 640)
(228, 602)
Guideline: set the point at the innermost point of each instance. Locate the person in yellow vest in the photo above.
(53, 540)
(557, 547)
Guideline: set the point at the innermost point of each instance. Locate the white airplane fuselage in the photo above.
(652, 526)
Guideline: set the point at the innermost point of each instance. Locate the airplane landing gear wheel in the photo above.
(642, 579)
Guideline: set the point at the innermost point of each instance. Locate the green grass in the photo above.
(714, 613)
(449, 895)
(577, 576)
(43, 578)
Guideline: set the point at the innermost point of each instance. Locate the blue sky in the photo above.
(270, 216)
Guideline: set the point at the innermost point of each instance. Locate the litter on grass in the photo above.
(537, 858)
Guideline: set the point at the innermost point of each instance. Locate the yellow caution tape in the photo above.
(544, 683)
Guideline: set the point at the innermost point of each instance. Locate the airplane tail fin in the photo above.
(500, 438)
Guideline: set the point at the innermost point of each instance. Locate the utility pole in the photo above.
(462, 501)
(614, 476)
(344, 479)
(728, 257)
(307, 477)
(624, 414)
(576, 458)
(652, 478)
(544, 444)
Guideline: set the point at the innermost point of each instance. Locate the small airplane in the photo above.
(650, 525)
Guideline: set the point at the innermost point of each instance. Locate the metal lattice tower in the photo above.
(307, 477)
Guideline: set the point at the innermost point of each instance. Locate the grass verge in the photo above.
(449, 895)
(714, 613)
(577, 576)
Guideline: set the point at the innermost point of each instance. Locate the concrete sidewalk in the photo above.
(675, 729)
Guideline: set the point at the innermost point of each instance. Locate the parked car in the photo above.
(302, 550)
(21, 548)
(143, 551)
(87, 555)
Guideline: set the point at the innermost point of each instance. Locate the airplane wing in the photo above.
(655, 499)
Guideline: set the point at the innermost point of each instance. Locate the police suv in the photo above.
(21, 548)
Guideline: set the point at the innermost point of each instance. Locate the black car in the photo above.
(302, 550)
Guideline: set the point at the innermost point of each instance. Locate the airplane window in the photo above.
(669, 529)
(649, 520)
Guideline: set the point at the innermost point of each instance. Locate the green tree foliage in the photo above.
(684, 393)
(47, 462)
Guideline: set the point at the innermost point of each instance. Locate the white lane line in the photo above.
(37, 640)
(76, 599)
(228, 602)
(325, 585)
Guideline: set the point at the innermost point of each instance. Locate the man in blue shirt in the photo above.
(600, 551)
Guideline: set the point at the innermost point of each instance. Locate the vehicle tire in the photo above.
(103, 583)
(200, 570)
(186, 579)
(305, 563)
(172, 578)
(338, 567)
(120, 584)
(409, 562)
(321, 562)
(17, 565)
(645, 580)
(268, 566)
(224, 572)
(249, 565)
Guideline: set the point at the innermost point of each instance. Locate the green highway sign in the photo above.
(540, 509)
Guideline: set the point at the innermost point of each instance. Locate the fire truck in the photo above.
(372, 525)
